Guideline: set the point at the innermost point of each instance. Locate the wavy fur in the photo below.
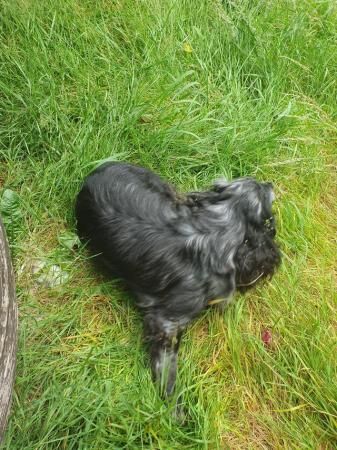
(176, 252)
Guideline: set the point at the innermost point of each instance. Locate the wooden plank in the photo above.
(8, 330)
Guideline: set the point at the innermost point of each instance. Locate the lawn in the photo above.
(194, 90)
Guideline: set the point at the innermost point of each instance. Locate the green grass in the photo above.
(194, 90)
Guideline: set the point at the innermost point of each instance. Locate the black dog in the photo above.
(177, 253)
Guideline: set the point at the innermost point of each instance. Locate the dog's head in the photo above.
(258, 255)
(240, 212)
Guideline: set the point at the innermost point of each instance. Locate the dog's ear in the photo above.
(220, 185)
(200, 198)
(224, 189)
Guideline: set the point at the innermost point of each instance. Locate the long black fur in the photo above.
(176, 252)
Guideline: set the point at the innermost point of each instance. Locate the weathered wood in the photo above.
(8, 330)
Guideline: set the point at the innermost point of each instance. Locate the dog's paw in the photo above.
(180, 413)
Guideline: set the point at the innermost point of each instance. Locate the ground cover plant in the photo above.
(193, 90)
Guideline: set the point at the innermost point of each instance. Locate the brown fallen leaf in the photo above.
(267, 337)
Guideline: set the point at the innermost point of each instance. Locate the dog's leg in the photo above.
(164, 338)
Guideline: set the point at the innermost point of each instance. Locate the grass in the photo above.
(193, 90)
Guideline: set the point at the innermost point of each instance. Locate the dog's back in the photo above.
(124, 212)
(116, 189)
